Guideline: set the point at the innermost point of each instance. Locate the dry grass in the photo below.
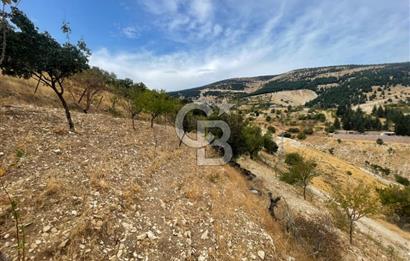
(53, 187)
(19, 92)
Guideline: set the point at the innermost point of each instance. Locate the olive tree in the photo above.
(136, 101)
(30, 53)
(301, 173)
(4, 27)
(91, 82)
(158, 103)
(356, 202)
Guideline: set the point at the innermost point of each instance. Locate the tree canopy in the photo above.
(30, 53)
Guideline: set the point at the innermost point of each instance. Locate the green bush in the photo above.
(271, 129)
(294, 130)
(290, 177)
(397, 200)
(402, 180)
(268, 118)
(269, 144)
(293, 158)
(301, 136)
(286, 135)
(308, 131)
(379, 141)
(330, 129)
(252, 139)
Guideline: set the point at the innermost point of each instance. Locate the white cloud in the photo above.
(247, 38)
(202, 9)
(130, 32)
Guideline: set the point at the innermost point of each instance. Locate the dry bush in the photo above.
(97, 180)
(214, 177)
(192, 191)
(53, 187)
(130, 194)
(319, 237)
(53, 192)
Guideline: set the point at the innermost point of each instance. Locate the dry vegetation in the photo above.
(105, 192)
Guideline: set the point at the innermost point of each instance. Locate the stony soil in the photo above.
(108, 192)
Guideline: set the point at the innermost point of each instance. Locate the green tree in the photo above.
(397, 200)
(336, 123)
(4, 26)
(91, 82)
(158, 103)
(253, 140)
(301, 173)
(30, 53)
(136, 101)
(269, 144)
(356, 202)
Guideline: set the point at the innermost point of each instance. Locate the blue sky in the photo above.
(177, 44)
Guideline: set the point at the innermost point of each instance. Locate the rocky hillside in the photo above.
(333, 85)
(107, 192)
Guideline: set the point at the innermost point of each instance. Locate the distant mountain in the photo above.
(345, 84)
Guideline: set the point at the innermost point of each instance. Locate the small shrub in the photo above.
(286, 135)
(269, 144)
(332, 151)
(402, 180)
(301, 136)
(294, 130)
(380, 170)
(293, 158)
(379, 141)
(349, 173)
(330, 129)
(214, 178)
(397, 201)
(268, 118)
(20, 153)
(308, 131)
(339, 141)
(271, 129)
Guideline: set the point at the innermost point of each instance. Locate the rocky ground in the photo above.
(107, 192)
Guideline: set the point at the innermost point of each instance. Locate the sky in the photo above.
(179, 44)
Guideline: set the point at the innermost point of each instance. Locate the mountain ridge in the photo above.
(318, 79)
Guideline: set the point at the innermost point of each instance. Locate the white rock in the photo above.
(142, 236)
(46, 229)
(261, 254)
(204, 235)
(151, 235)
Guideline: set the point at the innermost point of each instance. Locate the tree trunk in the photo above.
(66, 109)
(4, 30)
(304, 192)
(133, 121)
(152, 121)
(180, 141)
(351, 232)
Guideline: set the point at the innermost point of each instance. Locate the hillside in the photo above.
(333, 85)
(107, 191)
